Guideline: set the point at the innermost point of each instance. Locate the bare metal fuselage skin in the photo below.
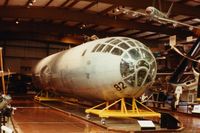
(103, 69)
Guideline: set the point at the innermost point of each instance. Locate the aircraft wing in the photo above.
(132, 13)
(175, 23)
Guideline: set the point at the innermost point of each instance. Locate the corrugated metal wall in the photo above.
(21, 56)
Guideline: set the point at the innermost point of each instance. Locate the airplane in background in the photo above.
(184, 85)
(178, 73)
(153, 14)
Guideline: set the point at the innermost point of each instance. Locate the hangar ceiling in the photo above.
(69, 21)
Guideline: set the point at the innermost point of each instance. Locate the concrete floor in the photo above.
(31, 117)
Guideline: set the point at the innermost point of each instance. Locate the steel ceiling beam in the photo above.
(57, 40)
(45, 28)
(72, 4)
(84, 17)
(39, 38)
(178, 8)
(50, 28)
(64, 3)
(51, 32)
(90, 5)
(48, 3)
(108, 9)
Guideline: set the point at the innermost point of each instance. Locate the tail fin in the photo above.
(170, 9)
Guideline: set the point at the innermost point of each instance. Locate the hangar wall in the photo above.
(21, 56)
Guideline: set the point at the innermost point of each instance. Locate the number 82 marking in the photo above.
(120, 86)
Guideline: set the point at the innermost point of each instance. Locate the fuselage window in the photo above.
(95, 47)
(115, 41)
(100, 48)
(107, 48)
(124, 46)
(117, 51)
(84, 52)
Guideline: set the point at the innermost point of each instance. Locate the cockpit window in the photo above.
(153, 65)
(116, 41)
(100, 48)
(125, 39)
(134, 54)
(131, 43)
(118, 46)
(146, 55)
(117, 51)
(138, 43)
(110, 40)
(141, 75)
(123, 45)
(125, 56)
(95, 47)
(107, 48)
(142, 63)
(127, 68)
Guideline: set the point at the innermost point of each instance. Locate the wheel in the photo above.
(103, 121)
(87, 116)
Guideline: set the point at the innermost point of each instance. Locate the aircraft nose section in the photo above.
(138, 66)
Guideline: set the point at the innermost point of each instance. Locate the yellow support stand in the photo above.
(45, 96)
(135, 111)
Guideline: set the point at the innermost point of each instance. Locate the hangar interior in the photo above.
(31, 30)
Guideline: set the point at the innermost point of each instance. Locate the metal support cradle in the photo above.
(137, 109)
